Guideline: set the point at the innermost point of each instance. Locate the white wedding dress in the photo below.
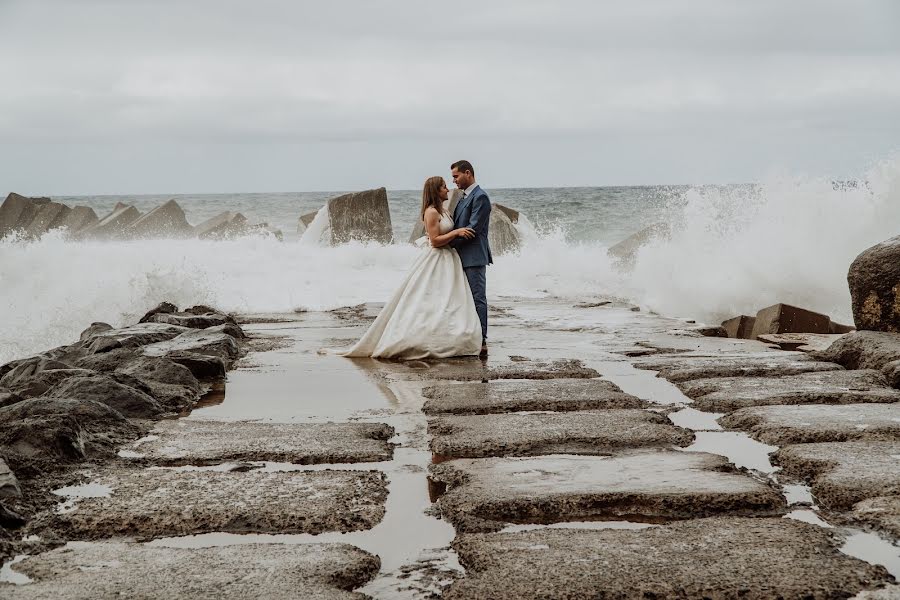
(431, 315)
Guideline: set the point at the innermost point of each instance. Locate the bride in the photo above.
(432, 313)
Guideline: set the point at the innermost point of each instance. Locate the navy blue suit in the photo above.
(474, 211)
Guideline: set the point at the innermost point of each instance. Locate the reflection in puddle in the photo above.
(737, 447)
(872, 549)
(8, 575)
(691, 418)
(74, 493)
(807, 516)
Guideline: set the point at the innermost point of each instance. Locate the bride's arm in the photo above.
(433, 229)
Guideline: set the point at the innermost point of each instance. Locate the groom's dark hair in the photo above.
(463, 166)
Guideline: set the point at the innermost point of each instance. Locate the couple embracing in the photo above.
(440, 309)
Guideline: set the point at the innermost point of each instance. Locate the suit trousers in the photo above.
(477, 277)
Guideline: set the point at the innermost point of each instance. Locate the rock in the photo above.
(784, 318)
(17, 212)
(195, 321)
(724, 394)
(718, 331)
(106, 390)
(24, 369)
(304, 221)
(212, 341)
(503, 236)
(9, 519)
(485, 493)
(574, 432)
(147, 503)
(39, 383)
(223, 226)
(9, 485)
(203, 367)
(874, 278)
(95, 328)
(132, 336)
(803, 424)
(171, 384)
(7, 397)
(683, 368)
(880, 512)
(363, 216)
(740, 327)
(868, 350)
(837, 328)
(57, 430)
(625, 251)
(49, 216)
(126, 570)
(703, 558)
(844, 473)
(164, 308)
(513, 396)
(166, 221)
(192, 442)
(80, 217)
(113, 225)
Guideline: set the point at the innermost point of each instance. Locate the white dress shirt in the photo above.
(468, 190)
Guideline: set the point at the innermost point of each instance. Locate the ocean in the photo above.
(733, 249)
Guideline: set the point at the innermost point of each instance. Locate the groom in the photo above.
(473, 211)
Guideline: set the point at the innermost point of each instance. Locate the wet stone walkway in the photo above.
(599, 452)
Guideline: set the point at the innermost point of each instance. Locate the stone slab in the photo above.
(190, 442)
(512, 396)
(844, 473)
(485, 493)
(804, 342)
(577, 432)
(725, 394)
(680, 368)
(473, 369)
(881, 512)
(704, 558)
(810, 423)
(160, 502)
(129, 570)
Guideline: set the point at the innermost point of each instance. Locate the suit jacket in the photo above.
(474, 211)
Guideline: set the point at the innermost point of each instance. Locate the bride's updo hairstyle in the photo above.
(431, 194)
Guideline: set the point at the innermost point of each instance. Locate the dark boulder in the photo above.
(105, 389)
(878, 350)
(107, 361)
(161, 308)
(740, 327)
(54, 430)
(171, 384)
(95, 328)
(874, 279)
(21, 370)
(213, 341)
(8, 397)
(9, 485)
(133, 336)
(192, 321)
(201, 366)
(39, 383)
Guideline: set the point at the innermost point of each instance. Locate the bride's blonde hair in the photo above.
(431, 194)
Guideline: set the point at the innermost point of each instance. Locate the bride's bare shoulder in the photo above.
(432, 212)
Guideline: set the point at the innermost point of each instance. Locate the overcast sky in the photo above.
(158, 96)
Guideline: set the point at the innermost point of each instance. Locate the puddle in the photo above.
(8, 575)
(638, 382)
(873, 549)
(807, 516)
(74, 493)
(798, 494)
(737, 447)
(696, 420)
